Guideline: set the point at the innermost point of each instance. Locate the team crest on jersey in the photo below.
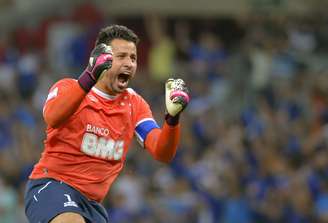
(92, 98)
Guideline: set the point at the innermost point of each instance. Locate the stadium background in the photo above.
(254, 142)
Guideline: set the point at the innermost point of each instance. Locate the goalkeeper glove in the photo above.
(100, 60)
(176, 99)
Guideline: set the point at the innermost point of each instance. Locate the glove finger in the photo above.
(180, 85)
(101, 49)
(180, 100)
(99, 69)
(180, 93)
(169, 83)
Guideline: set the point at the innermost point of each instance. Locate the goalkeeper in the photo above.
(90, 124)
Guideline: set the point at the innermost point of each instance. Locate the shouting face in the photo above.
(123, 69)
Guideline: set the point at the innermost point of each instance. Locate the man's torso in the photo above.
(89, 149)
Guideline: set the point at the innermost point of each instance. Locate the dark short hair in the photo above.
(109, 33)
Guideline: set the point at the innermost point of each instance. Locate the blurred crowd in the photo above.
(254, 141)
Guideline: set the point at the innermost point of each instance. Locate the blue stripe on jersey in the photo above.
(144, 127)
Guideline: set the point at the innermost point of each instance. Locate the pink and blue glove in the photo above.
(100, 60)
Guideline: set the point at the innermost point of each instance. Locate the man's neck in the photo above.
(101, 86)
(102, 93)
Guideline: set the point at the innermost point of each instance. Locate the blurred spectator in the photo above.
(8, 202)
(162, 51)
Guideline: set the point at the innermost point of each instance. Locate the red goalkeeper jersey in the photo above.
(88, 150)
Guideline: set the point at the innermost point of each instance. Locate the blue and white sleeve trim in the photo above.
(143, 127)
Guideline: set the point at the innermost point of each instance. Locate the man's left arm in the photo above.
(163, 143)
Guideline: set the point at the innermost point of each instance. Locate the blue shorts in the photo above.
(46, 198)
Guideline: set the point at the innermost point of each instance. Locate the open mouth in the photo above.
(123, 77)
(123, 80)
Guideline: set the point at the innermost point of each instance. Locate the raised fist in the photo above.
(176, 96)
(100, 60)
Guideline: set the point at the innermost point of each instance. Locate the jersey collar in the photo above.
(103, 94)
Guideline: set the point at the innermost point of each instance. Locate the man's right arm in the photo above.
(66, 95)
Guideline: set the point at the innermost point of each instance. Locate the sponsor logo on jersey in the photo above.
(97, 130)
(96, 143)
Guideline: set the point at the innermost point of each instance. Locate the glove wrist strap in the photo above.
(86, 81)
(172, 120)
